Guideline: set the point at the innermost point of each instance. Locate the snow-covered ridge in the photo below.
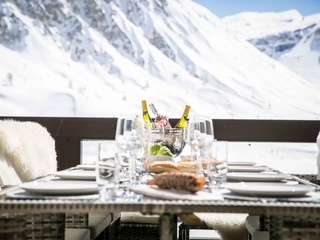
(100, 58)
(287, 36)
(256, 25)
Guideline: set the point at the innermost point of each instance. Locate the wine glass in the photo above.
(107, 173)
(209, 142)
(200, 136)
(129, 144)
(196, 139)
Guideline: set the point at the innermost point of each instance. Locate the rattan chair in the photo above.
(27, 152)
(135, 226)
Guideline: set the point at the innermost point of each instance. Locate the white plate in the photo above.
(247, 168)
(268, 189)
(77, 175)
(63, 187)
(171, 194)
(87, 166)
(242, 163)
(22, 194)
(258, 177)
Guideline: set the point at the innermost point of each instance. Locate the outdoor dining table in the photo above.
(168, 210)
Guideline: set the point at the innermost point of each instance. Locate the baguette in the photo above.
(187, 166)
(163, 166)
(170, 166)
(181, 166)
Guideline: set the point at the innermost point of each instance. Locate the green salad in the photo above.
(158, 149)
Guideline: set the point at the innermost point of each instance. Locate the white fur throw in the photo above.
(230, 226)
(137, 217)
(28, 148)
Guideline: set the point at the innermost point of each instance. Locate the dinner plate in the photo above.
(247, 168)
(242, 163)
(308, 197)
(257, 177)
(87, 166)
(271, 189)
(77, 175)
(22, 194)
(63, 187)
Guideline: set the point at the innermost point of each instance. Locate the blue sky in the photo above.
(222, 8)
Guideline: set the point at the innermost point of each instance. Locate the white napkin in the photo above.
(172, 194)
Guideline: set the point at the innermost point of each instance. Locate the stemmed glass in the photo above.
(199, 140)
(129, 144)
(108, 173)
(196, 139)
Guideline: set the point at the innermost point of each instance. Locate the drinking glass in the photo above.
(217, 168)
(200, 139)
(107, 173)
(129, 144)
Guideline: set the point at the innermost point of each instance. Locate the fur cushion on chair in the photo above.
(137, 217)
(29, 148)
(230, 226)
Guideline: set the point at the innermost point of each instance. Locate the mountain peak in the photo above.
(255, 24)
(98, 58)
(286, 36)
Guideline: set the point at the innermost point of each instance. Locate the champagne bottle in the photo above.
(160, 121)
(147, 122)
(181, 123)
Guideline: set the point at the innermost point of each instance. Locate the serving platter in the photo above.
(172, 194)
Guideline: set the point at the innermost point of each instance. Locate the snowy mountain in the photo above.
(101, 58)
(288, 36)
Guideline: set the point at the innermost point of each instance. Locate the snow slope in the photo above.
(97, 58)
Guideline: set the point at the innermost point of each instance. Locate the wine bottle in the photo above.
(147, 122)
(184, 118)
(160, 121)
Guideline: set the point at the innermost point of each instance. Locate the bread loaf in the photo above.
(181, 166)
(163, 166)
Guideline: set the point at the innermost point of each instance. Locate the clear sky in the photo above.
(222, 8)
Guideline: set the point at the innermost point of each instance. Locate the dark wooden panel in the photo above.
(88, 128)
(266, 130)
(225, 129)
(63, 154)
(68, 132)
